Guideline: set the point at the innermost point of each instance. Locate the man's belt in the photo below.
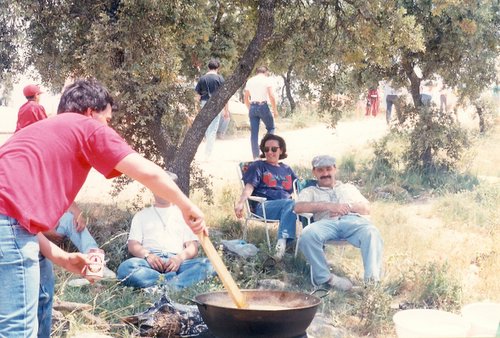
(259, 102)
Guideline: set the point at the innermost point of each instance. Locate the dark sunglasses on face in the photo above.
(273, 149)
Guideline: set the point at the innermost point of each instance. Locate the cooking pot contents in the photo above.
(271, 314)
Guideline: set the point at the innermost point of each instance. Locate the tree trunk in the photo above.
(426, 155)
(482, 121)
(288, 90)
(185, 154)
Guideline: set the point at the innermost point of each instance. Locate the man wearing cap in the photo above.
(337, 210)
(31, 111)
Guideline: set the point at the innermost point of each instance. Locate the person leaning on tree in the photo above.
(42, 169)
(207, 85)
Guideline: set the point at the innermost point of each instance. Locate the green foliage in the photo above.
(347, 168)
(437, 289)
(373, 309)
(437, 141)
(479, 207)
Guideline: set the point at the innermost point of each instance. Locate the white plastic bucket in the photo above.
(484, 318)
(429, 323)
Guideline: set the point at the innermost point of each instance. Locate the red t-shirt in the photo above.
(43, 167)
(29, 113)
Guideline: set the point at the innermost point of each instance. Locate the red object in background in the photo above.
(372, 102)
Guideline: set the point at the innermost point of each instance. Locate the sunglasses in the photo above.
(273, 149)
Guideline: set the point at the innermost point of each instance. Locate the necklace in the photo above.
(161, 219)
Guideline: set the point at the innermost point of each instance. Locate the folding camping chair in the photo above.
(249, 213)
(306, 218)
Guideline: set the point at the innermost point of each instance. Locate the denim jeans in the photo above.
(137, 272)
(45, 297)
(282, 210)
(19, 280)
(223, 126)
(84, 241)
(358, 231)
(211, 132)
(389, 101)
(259, 112)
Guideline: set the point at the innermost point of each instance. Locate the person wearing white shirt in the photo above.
(164, 250)
(338, 210)
(258, 94)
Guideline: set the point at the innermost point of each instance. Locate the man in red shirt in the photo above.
(42, 169)
(31, 111)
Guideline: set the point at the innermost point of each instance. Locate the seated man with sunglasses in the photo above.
(273, 180)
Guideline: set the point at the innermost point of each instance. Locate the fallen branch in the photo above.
(71, 306)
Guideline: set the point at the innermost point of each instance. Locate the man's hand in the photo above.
(195, 219)
(173, 264)
(76, 262)
(79, 222)
(339, 209)
(156, 263)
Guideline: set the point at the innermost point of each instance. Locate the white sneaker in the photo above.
(340, 283)
(108, 274)
(78, 282)
(280, 248)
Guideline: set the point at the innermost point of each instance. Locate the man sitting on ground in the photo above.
(337, 211)
(73, 226)
(164, 250)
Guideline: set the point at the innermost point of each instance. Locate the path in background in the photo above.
(302, 144)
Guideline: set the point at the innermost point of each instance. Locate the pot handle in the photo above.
(326, 292)
(197, 302)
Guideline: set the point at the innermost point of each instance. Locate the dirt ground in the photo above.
(302, 144)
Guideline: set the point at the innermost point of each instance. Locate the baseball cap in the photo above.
(31, 90)
(323, 161)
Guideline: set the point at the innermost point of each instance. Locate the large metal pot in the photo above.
(270, 313)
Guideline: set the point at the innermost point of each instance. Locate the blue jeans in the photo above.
(282, 210)
(259, 112)
(19, 280)
(389, 101)
(84, 241)
(137, 272)
(45, 297)
(223, 126)
(211, 132)
(358, 231)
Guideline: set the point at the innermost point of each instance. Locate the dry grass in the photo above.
(439, 252)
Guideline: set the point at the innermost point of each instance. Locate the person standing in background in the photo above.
(258, 93)
(31, 111)
(372, 102)
(391, 98)
(207, 85)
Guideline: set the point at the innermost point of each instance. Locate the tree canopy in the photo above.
(150, 53)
